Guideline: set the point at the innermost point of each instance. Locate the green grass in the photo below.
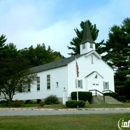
(124, 105)
(61, 106)
(63, 122)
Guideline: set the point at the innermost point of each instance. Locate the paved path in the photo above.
(39, 112)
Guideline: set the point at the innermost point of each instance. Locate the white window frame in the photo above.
(48, 82)
(79, 83)
(91, 45)
(105, 85)
(38, 83)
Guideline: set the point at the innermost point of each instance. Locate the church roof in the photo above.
(55, 64)
(87, 37)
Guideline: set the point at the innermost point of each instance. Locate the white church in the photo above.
(60, 77)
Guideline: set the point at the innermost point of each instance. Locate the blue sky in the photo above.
(32, 22)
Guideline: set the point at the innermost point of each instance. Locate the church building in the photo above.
(84, 72)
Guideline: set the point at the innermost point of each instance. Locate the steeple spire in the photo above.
(87, 37)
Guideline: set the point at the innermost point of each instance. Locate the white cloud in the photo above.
(31, 22)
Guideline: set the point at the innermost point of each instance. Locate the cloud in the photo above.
(31, 22)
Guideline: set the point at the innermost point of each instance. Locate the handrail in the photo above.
(98, 92)
(108, 91)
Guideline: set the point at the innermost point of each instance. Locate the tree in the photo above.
(40, 55)
(117, 50)
(15, 77)
(127, 88)
(2, 44)
(14, 72)
(75, 43)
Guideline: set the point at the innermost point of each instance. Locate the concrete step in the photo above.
(98, 99)
(108, 100)
(111, 100)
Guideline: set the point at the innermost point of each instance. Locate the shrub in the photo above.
(38, 101)
(122, 98)
(41, 104)
(52, 99)
(71, 103)
(75, 103)
(81, 103)
(5, 103)
(16, 103)
(27, 101)
(85, 96)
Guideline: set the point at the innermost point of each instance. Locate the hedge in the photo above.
(75, 103)
(85, 96)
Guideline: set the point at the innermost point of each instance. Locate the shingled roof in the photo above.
(87, 37)
(52, 65)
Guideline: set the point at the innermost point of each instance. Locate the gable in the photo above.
(94, 53)
(94, 73)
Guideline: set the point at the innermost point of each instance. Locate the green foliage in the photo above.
(127, 88)
(52, 99)
(27, 101)
(117, 49)
(85, 96)
(40, 55)
(41, 104)
(75, 103)
(75, 43)
(16, 103)
(5, 103)
(38, 101)
(122, 98)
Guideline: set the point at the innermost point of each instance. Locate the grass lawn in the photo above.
(63, 122)
(60, 106)
(124, 105)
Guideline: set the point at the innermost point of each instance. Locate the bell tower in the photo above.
(87, 44)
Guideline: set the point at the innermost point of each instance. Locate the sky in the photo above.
(52, 22)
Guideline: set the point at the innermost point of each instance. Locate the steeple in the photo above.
(87, 37)
(87, 44)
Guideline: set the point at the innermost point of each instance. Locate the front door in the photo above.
(65, 96)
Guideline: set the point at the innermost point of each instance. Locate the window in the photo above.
(96, 76)
(29, 87)
(38, 83)
(105, 85)
(83, 46)
(48, 82)
(91, 45)
(80, 85)
(56, 84)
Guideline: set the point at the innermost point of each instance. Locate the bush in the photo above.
(81, 103)
(16, 103)
(127, 88)
(75, 103)
(27, 101)
(85, 96)
(5, 103)
(38, 101)
(41, 104)
(122, 98)
(52, 99)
